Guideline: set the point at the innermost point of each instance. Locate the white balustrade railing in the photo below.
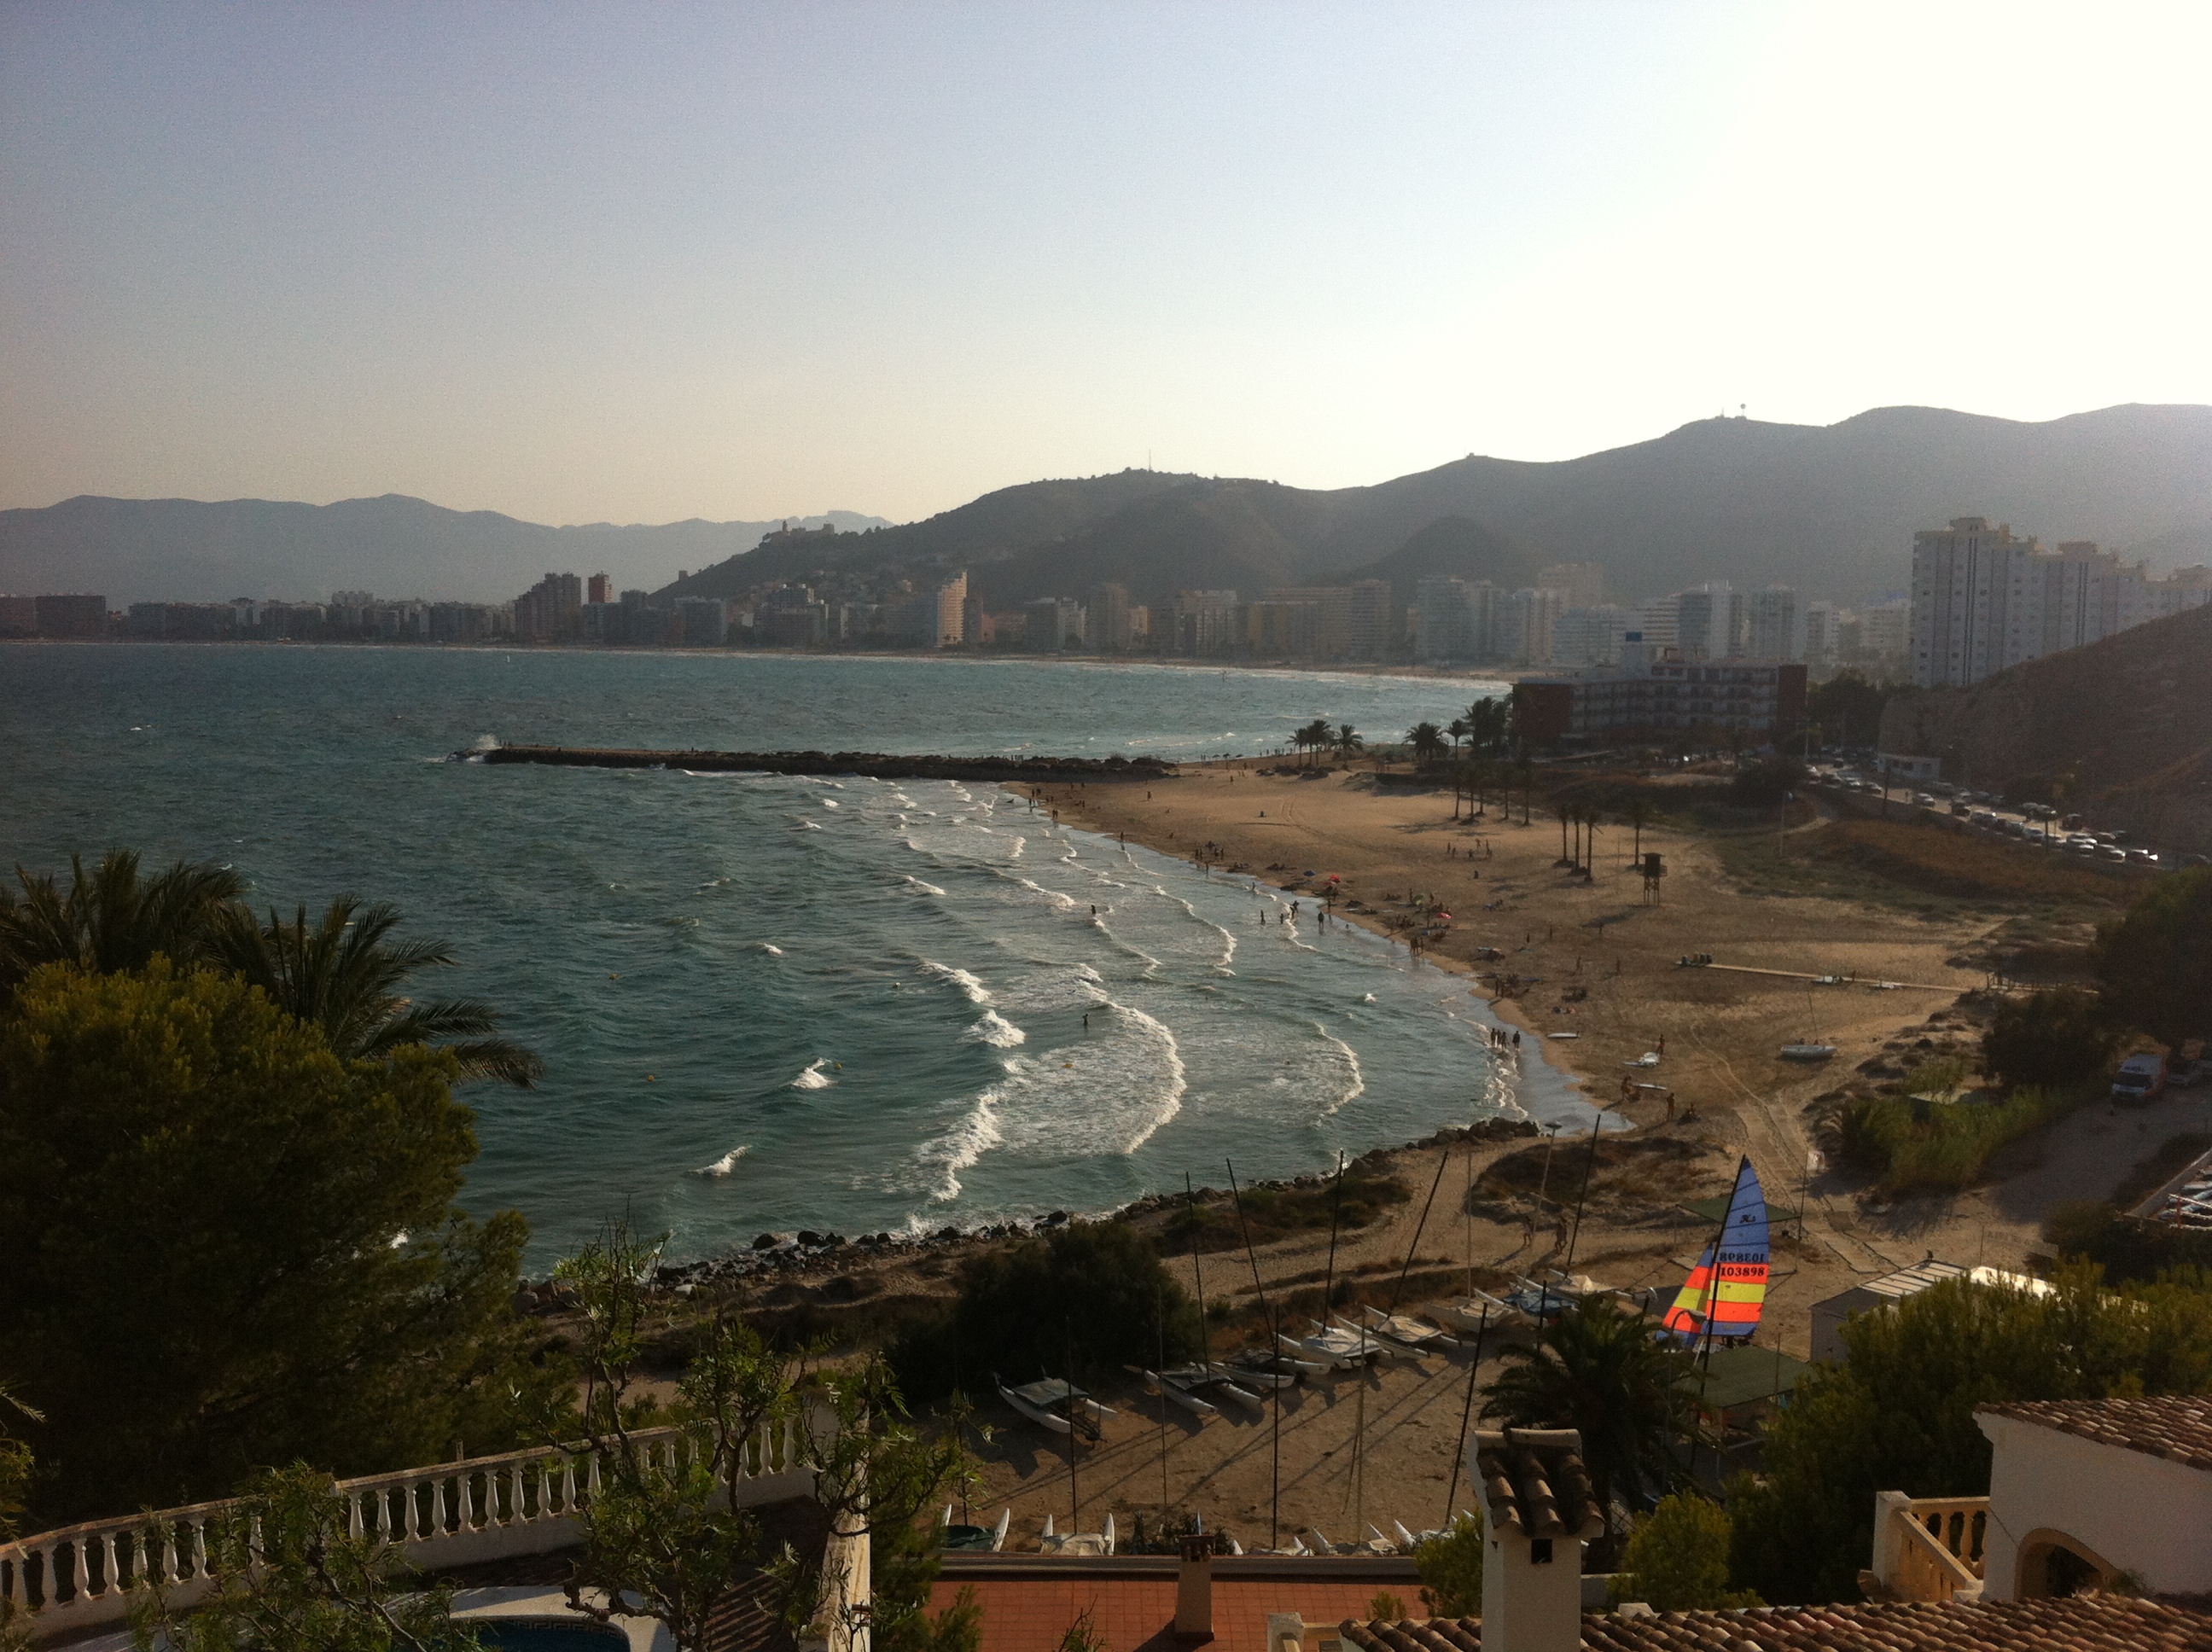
(452, 1514)
(1929, 1548)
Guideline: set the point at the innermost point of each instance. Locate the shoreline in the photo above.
(1404, 670)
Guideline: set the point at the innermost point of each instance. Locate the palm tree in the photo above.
(344, 977)
(1458, 730)
(111, 918)
(1347, 741)
(1315, 734)
(1597, 1369)
(1427, 741)
(1639, 813)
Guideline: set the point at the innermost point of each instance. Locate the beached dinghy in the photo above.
(1476, 1312)
(1214, 1381)
(1324, 1355)
(1264, 1372)
(1174, 1388)
(1414, 1333)
(1059, 1407)
(1807, 1051)
(1354, 1346)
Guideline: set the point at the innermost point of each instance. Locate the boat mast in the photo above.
(1274, 1352)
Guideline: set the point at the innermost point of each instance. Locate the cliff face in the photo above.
(2121, 729)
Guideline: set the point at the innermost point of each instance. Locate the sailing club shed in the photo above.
(1828, 1316)
(1867, 1296)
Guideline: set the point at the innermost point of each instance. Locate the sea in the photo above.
(771, 1003)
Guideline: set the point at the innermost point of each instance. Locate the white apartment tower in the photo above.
(1983, 599)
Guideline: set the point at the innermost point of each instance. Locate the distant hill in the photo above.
(1830, 509)
(185, 551)
(2121, 726)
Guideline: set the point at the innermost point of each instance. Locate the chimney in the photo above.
(1538, 1511)
(1194, 1618)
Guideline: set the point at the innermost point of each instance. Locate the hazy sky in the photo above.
(640, 262)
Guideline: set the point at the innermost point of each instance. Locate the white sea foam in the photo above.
(1052, 895)
(975, 989)
(1354, 1078)
(946, 1157)
(723, 1165)
(1106, 1095)
(916, 884)
(1015, 853)
(770, 947)
(808, 826)
(814, 1078)
(995, 1030)
(831, 802)
(1367, 998)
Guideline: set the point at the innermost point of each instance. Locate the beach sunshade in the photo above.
(1726, 1293)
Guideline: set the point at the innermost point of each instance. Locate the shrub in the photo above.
(2126, 1249)
(1765, 782)
(1097, 1293)
(2060, 1039)
(1451, 1571)
(1678, 1559)
(1917, 1145)
(2155, 963)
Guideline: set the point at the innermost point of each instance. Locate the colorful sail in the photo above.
(1728, 1293)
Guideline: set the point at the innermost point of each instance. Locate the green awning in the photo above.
(1740, 1376)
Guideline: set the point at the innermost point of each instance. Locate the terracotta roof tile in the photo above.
(1534, 1482)
(2086, 1623)
(2179, 1426)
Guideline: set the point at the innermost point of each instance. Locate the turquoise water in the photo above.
(768, 1002)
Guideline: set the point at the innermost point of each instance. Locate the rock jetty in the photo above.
(877, 764)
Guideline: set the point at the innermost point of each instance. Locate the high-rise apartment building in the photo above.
(1984, 599)
(1824, 624)
(551, 611)
(952, 611)
(1590, 636)
(1107, 621)
(598, 588)
(1770, 624)
(1203, 622)
(1525, 622)
(1453, 619)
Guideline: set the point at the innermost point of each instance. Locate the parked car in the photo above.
(1922, 800)
(2141, 1078)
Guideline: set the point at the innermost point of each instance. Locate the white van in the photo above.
(2140, 1078)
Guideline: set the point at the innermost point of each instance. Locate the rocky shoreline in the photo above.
(873, 764)
(778, 1256)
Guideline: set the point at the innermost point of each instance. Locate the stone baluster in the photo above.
(514, 1494)
(80, 1568)
(568, 1486)
(199, 1546)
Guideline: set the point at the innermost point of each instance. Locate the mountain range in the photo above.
(186, 550)
(1828, 508)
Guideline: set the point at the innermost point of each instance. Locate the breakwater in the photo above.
(875, 764)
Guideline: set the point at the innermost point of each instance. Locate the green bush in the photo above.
(1765, 782)
(1917, 1145)
(1451, 1571)
(1097, 1293)
(1677, 1559)
(2058, 1040)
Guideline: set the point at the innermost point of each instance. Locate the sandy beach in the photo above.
(1598, 983)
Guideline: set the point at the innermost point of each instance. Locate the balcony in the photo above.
(1927, 1548)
